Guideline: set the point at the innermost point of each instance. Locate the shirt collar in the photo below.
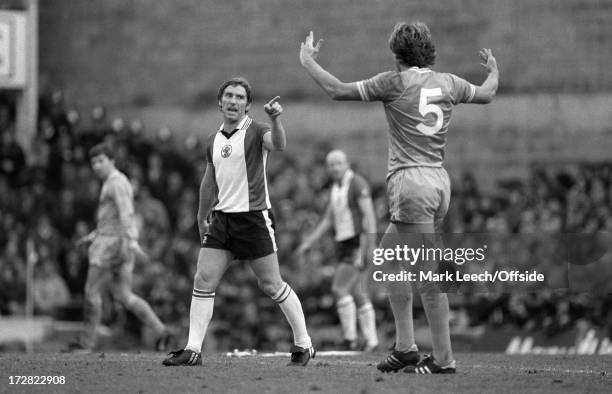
(347, 174)
(420, 70)
(240, 125)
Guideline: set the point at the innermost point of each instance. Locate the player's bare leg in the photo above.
(345, 277)
(366, 315)
(400, 295)
(212, 264)
(122, 289)
(435, 302)
(405, 352)
(270, 282)
(97, 277)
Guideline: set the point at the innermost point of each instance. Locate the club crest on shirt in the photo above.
(226, 151)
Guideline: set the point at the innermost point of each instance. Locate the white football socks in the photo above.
(347, 313)
(367, 323)
(201, 311)
(290, 304)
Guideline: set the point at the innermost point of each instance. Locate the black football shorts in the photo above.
(248, 235)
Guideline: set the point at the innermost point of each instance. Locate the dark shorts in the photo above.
(248, 235)
(349, 251)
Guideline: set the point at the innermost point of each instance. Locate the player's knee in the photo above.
(203, 281)
(399, 293)
(400, 298)
(127, 299)
(432, 298)
(339, 290)
(361, 299)
(269, 287)
(93, 298)
(91, 292)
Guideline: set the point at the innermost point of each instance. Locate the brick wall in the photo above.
(163, 60)
(160, 52)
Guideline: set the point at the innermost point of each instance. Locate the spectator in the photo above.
(53, 201)
(12, 158)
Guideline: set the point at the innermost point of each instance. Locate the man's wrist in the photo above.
(131, 234)
(307, 61)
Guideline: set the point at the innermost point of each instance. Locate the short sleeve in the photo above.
(461, 90)
(263, 129)
(209, 147)
(377, 88)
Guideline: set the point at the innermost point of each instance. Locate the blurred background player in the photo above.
(114, 246)
(234, 195)
(418, 103)
(350, 213)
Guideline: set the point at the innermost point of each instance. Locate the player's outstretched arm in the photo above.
(331, 85)
(324, 225)
(484, 93)
(208, 193)
(277, 138)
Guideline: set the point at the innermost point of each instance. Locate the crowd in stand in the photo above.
(48, 201)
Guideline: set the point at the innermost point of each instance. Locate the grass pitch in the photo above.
(261, 373)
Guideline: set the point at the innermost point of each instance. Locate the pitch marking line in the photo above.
(328, 353)
(522, 369)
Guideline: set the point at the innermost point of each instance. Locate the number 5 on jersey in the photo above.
(425, 108)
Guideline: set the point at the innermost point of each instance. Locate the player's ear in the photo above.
(247, 108)
(219, 105)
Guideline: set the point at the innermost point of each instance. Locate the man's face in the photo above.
(233, 103)
(102, 166)
(336, 166)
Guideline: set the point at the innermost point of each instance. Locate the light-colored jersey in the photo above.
(418, 103)
(116, 207)
(344, 199)
(240, 160)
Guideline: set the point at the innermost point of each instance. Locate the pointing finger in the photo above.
(274, 100)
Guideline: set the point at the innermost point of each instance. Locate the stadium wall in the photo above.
(163, 61)
(149, 52)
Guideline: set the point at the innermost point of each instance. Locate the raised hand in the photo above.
(273, 108)
(308, 50)
(488, 60)
(85, 240)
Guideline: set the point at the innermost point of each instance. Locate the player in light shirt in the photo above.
(112, 252)
(350, 214)
(418, 103)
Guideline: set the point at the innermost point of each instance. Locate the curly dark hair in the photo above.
(411, 44)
